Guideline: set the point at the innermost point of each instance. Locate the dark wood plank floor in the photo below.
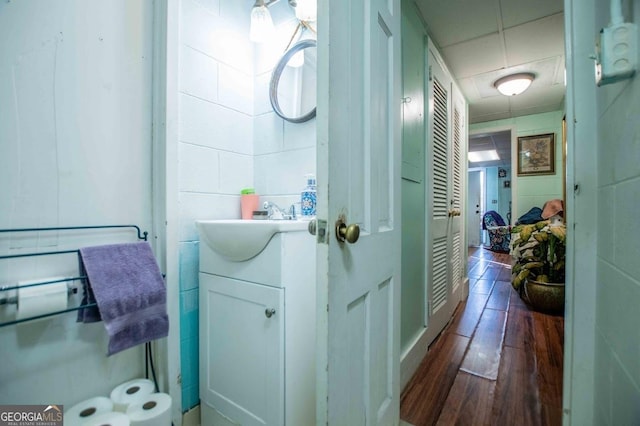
(497, 362)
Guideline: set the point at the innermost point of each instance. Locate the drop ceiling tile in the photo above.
(538, 109)
(476, 118)
(454, 21)
(495, 104)
(550, 95)
(473, 57)
(535, 40)
(516, 12)
(469, 89)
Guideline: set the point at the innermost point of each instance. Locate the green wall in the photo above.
(533, 191)
(413, 178)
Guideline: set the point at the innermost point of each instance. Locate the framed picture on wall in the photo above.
(536, 155)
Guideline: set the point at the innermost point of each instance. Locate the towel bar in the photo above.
(4, 300)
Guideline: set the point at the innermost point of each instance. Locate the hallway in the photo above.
(496, 363)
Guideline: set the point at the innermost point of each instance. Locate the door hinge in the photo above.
(429, 307)
(430, 73)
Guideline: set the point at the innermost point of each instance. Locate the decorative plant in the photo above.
(539, 250)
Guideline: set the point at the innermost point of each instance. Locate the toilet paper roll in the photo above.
(41, 299)
(110, 419)
(155, 410)
(130, 392)
(87, 410)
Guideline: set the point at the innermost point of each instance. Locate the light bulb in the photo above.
(261, 24)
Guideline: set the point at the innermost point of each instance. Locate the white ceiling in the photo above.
(483, 40)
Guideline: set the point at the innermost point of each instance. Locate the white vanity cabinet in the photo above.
(242, 349)
(257, 334)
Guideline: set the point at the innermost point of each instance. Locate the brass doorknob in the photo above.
(349, 233)
(313, 227)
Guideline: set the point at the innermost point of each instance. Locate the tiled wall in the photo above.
(215, 145)
(617, 380)
(229, 139)
(533, 191)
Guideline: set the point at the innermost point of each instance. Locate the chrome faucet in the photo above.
(274, 212)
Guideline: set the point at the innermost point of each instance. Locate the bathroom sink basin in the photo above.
(239, 240)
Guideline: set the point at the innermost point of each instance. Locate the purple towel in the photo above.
(130, 293)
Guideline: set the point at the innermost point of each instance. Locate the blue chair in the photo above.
(499, 231)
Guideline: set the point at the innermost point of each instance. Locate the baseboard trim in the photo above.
(191, 417)
(411, 357)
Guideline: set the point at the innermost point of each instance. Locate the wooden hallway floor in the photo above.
(496, 363)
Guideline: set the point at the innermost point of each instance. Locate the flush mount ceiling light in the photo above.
(262, 24)
(478, 156)
(514, 84)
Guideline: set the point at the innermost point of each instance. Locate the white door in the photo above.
(458, 148)
(474, 212)
(444, 238)
(359, 141)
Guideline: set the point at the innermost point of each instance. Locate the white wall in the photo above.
(75, 149)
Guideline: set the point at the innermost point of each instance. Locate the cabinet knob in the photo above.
(269, 312)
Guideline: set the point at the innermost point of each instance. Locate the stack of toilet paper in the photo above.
(131, 403)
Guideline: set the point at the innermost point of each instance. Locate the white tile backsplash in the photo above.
(624, 210)
(208, 124)
(196, 25)
(235, 89)
(222, 37)
(283, 173)
(261, 102)
(199, 168)
(212, 6)
(300, 135)
(198, 206)
(268, 134)
(236, 172)
(198, 74)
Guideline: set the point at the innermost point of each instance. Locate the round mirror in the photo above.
(293, 83)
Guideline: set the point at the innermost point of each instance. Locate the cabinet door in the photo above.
(241, 350)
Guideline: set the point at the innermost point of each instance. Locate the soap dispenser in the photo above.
(308, 198)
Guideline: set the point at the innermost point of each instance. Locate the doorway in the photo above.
(476, 205)
(490, 181)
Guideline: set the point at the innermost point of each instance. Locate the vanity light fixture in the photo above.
(514, 84)
(262, 24)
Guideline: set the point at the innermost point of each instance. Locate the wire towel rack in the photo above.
(4, 300)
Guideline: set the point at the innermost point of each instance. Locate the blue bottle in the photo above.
(308, 198)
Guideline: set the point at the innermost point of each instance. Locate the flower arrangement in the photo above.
(539, 251)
